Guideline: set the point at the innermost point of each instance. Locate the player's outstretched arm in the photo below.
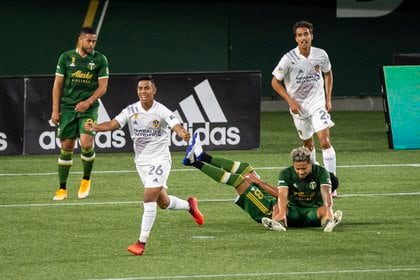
(252, 178)
(105, 126)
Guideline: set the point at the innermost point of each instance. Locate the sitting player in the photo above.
(255, 196)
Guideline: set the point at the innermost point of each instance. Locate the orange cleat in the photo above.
(137, 248)
(195, 212)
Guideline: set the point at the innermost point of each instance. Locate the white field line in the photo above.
(59, 203)
(256, 275)
(193, 169)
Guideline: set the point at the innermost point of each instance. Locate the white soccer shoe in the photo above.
(337, 218)
(272, 225)
(194, 151)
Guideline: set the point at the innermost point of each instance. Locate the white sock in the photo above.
(176, 203)
(149, 216)
(329, 159)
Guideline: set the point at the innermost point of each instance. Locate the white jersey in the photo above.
(303, 78)
(150, 131)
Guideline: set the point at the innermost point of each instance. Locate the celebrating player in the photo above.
(149, 122)
(303, 70)
(81, 78)
(304, 184)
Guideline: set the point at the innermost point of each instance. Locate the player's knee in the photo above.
(325, 143)
(309, 144)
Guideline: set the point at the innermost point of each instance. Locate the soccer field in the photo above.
(87, 239)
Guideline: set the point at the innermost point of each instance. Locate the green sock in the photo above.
(232, 166)
(64, 164)
(88, 157)
(221, 175)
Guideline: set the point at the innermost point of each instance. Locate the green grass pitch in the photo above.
(87, 239)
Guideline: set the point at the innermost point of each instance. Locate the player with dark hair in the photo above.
(81, 78)
(150, 124)
(259, 199)
(308, 79)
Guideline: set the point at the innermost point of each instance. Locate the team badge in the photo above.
(317, 68)
(91, 65)
(156, 123)
(312, 185)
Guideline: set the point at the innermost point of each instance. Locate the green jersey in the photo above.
(305, 193)
(81, 76)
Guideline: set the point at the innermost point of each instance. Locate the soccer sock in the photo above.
(147, 221)
(220, 175)
(64, 164)
(228, 165)
(176, 203)
(88, 157)
(329, 158)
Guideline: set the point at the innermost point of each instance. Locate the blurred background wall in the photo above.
(186, 36)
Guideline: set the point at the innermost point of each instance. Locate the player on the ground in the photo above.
(303, 71)
(258, 198)
(150, 124)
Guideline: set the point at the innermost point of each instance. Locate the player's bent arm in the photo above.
(252, 178)
(56, 94)
(281, 90)
(99, 92)
(105, 126)
(181, 132)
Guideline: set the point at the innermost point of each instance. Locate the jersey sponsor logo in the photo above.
(81, 75)
(204, 114)
(301, 79)
(147, 132)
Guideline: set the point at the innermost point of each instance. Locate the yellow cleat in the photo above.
(60, 194)
(84, 188)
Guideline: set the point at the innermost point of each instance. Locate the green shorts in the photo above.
(256, 202)
(302, 217)
(71, 123)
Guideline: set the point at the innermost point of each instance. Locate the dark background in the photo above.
(178, 36)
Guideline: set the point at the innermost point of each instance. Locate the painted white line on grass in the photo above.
(193, 169)
(59, 203)
(238, 275)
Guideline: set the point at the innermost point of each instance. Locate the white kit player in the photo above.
(150, 124)
(303, 70)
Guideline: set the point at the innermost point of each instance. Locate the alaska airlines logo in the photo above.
(209, 120)
(80, 75)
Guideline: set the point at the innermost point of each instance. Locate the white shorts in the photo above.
(307, 126)
(154, 174)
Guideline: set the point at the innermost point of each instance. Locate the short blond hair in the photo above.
(301, 154)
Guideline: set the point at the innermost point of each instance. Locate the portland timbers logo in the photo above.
(91, 65)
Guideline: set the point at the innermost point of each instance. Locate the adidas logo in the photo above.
(202, 113)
